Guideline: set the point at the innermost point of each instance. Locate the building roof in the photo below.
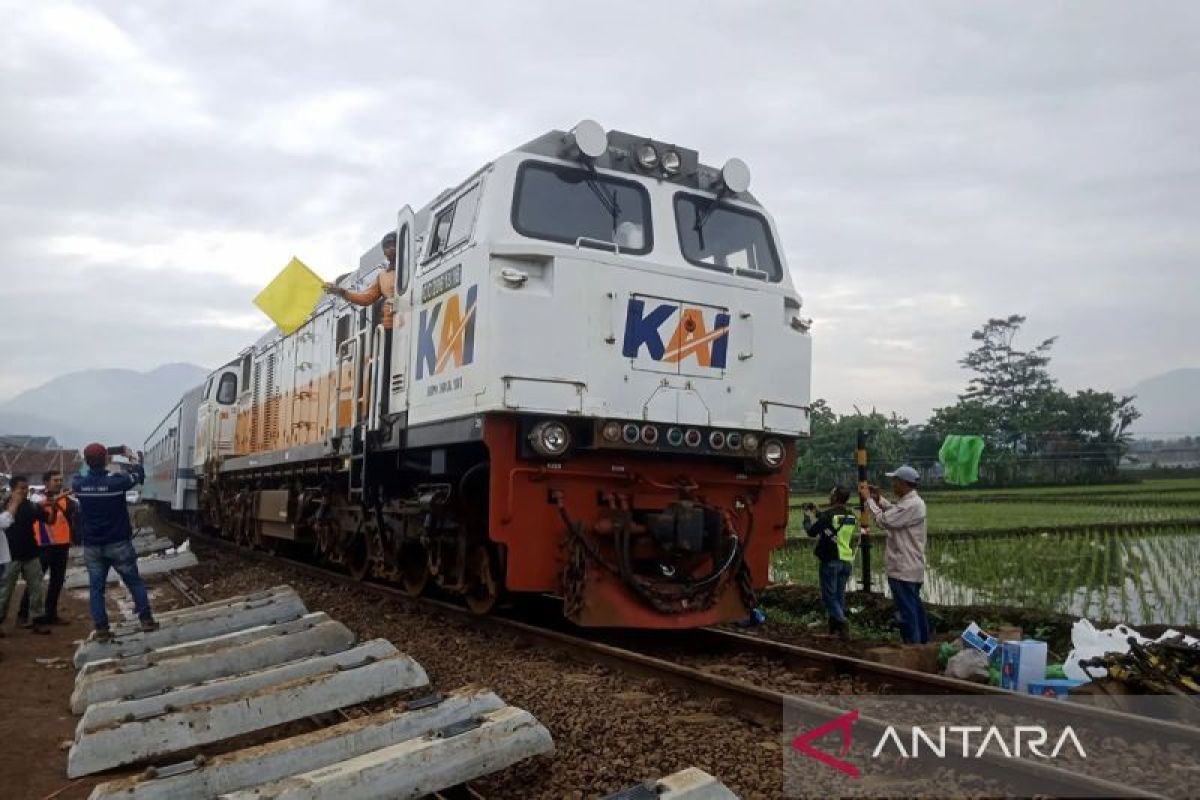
(25, 442)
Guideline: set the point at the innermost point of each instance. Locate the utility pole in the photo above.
(864, 522)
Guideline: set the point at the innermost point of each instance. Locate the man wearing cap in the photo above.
(834, 529)
(904, 522)
(384, 287)
(107, 536)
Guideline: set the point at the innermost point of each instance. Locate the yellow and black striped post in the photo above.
(864, 522)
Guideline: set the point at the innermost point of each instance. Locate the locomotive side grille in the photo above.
(256, 409)
(271, 420)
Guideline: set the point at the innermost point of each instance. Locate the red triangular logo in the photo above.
(843, 724)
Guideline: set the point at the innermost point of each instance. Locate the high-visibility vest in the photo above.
(846, 525)
(58, 532)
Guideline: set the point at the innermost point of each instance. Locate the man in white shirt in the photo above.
(904, 522)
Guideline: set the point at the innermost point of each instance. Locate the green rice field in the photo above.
(1139, 568)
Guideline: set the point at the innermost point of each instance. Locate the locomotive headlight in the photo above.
(649, 434)
(646, 155)
(693, 437)
(735, 175)
(773, 453)
(630, 433)
(716, 440)
(750, 441)
(550, 439)
(591, 138)
(674, 437)
(671, 162)
(611, 431)
(734, 440)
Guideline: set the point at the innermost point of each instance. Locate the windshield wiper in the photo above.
(702, 217)
(609, 203)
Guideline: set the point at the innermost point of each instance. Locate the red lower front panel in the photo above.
(528, 499)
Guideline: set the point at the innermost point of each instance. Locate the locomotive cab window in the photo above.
(402, 264)
(441, 231)
(227, 389)
(464, 217)
(573, 205)
(726, 238)
(452, 225)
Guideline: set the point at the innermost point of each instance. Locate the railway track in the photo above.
(639, 654)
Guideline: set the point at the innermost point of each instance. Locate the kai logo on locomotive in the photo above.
(671, 332)
(446, 333)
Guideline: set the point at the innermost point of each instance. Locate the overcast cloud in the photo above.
(929, 165)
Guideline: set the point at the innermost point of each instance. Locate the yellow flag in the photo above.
(291, 296)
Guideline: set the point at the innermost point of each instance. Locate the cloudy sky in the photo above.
(929, 164)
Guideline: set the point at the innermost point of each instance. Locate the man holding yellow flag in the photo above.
(384, 287)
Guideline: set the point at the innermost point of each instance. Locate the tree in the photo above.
(1103, 416)
(826, 457)
(1014, 403)
(1007, 379)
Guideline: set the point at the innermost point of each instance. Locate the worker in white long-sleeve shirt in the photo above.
(904, 522)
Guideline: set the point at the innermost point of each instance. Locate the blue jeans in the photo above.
(834, 577)
(123, 558)
(910, 612)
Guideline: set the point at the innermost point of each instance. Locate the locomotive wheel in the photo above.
(483, 587)
(358, 559)
(414, 569)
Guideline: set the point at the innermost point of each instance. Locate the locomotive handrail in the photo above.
(377, 349)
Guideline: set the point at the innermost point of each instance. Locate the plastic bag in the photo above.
(1088, 641)
(968, 665)
(946, 652)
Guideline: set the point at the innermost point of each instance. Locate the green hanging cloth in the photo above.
(960, 458)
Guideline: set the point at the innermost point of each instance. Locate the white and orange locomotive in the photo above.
(592, 388)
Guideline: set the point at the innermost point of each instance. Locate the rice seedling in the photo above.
(1134, 575)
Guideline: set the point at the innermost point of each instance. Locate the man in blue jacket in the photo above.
(107, 536)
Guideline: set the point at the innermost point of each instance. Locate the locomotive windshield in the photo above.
(725, 238)
(570, 204)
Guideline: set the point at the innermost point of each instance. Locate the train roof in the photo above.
(621, 155)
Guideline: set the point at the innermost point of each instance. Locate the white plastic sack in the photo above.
(1088, 641)
(968, 665)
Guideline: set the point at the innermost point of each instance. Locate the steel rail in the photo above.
(759, 705)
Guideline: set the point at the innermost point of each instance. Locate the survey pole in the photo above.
(864, 521)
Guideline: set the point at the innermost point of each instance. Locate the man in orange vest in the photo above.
(54, 537)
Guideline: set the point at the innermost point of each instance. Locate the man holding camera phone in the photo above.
(107, 536)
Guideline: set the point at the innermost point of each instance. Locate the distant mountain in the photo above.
(1170, 404)
(113, 406)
